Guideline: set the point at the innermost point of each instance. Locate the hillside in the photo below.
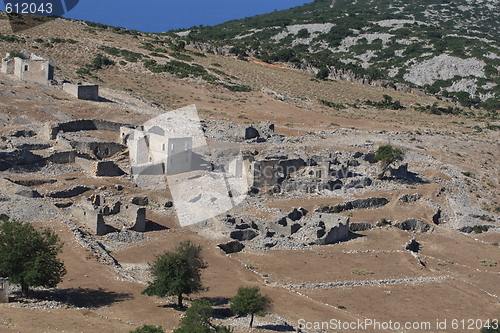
(420, 245)
(447, 48)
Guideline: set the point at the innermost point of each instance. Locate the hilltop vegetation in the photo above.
(450, 49)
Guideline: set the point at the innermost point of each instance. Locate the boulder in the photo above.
(436, 217)
(231, 246)
(140, 201)
(370, 158)
(413, 246)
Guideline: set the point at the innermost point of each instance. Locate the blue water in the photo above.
(164, 15)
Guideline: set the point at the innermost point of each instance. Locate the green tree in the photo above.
(323, 73)
(197, 319)
(387, 155)
(29, 256)
(177, 273)
(249, 301)
(149, 329)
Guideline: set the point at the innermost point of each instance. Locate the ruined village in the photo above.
(258, 198)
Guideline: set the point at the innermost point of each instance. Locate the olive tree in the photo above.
(198, 319)
(387, 155)
(249, 301)
(29, 256)
(177, 273)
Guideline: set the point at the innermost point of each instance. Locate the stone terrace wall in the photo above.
(52, 129)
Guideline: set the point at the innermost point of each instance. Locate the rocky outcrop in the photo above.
(209, 48)
(243, 235)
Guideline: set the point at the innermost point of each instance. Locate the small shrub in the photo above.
(361, 271)
(155, 54)
(238, 88)
(149, 329)
(477, 230)
(486, 218)
(16, 54)
(181, 56)
(57, 40)
(341, 307)
(323, 206)
(488, 263)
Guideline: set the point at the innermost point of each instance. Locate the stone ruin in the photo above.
(31, 68)
(102, 216)
(303, 172)
(4, 290)
(89, 153)
(294, 229)
(82, 90)
(34, 68)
